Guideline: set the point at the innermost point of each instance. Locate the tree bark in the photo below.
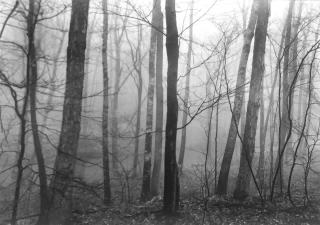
(247, 151)
(61, 185)
(34, 8)
(186, 91)
(105, 110)
(171, 175)
(155, 179)
(238, 101)
(146, 182)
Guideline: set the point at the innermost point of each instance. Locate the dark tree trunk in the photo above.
(32, 20)
(171, 175)
(247, 151)
(146, 182)
(155, 179)
(61, 201)
(186, 91)
(238, 101)
(105, 112)
(22, 142)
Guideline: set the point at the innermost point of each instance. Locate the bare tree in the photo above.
(186, 91)
(284, 122)
(157, 162)
(171, 173)
(248, 145)
(61, 200)
(139, 83)
(238, 101)
(34, 8)
(105, 113)
(146, 182)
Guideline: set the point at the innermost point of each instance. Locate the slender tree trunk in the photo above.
(260, 172)
(284, 123)
(186, 91)
(209, 117)
(19, 165)
(155, 179)
(239, 93)
(272, 135)
(216, 146)
(171, 174)
(243, 108)
(247, 151)
(22, 145)
(146, 182)
(139, 87)
(293, 70)
(105, 111)
(61, 201)
(34, 8)
(114, 111)
(302, 95)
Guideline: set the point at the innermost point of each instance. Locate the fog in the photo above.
(217, 45)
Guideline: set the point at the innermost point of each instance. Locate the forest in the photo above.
(159, 112)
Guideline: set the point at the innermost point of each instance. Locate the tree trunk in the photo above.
(22, 142)
(114, 111)
(155, 179)
(32, 19)
(285, 110)
(239, 93)
(243, 108)
(292, 73)
(146, 182)
(171, 174)
(260, 172)
(247, 151)
(302, 95)
(61, 201)
(208, 155)
(186, 91)
(139, 87)
(105, 111)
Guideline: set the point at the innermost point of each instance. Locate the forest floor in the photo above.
(194, 209)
